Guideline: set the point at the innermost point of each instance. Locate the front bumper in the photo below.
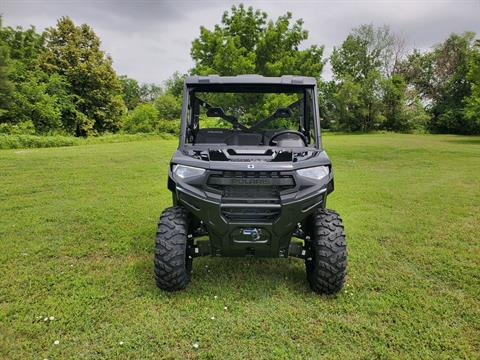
(254, 226)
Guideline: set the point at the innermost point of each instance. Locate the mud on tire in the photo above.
(327, 265)
(172, 265)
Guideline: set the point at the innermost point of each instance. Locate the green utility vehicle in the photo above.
(250, 178)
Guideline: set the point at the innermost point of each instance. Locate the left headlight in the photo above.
(184, 171)
(317, 172)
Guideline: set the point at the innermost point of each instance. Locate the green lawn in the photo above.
(76, 235)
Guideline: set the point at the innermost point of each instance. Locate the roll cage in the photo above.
(192, 103)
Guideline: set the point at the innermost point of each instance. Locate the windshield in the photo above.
(251, 116)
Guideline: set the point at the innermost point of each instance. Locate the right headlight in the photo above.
(317, 172)
(184, 171)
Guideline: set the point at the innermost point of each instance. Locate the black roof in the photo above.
(250, 79)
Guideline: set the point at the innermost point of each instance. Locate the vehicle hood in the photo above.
(245, 158)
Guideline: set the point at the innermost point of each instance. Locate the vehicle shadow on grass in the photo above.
(246, 277)
(252, 278)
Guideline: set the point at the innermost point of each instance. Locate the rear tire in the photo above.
(326, 265)
(172, 264)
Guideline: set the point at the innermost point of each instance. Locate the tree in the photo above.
(371, 92)
(365, 50)
(6, 87)
(246, 43)
(19, 50)
(326, 104)
(445, 81)
(361, 65)
(149, 92)
(34, 103)
(393, 102)
(130, 91)
(472, 102)
(74, 52)
(174, 84)
(25, 45)
(402, 109)
(38, 99)
(348, 106)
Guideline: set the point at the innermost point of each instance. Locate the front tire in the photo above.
(326, 264)
(172, 263)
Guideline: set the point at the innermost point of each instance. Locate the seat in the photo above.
(212, 136)
(244, 139)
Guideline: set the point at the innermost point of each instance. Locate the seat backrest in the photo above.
(241, 138)
(212, 136)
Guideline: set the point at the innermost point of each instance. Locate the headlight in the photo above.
(184, 171)
(317, 172)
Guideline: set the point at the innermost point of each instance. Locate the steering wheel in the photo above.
(294, 132)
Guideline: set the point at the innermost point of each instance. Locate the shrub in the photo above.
(44, 141)
(169, 106)
(142, 119)
(34, 141)
(23, 128)
(168, 126)
(415, 118)
(213, 122)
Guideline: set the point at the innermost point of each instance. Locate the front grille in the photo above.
(250, 194)
(250, 215)
(276, 180)
(257, 191)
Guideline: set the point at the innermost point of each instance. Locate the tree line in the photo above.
(59, 81)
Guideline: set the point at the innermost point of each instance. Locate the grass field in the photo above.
(76, 236)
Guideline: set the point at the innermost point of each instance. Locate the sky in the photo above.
(149, 40)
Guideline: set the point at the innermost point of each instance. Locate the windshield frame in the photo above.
(189, 89)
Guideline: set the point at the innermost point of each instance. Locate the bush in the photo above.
(168, 126)
(35, 141)
(145, 119)
(213, 122)
(169, 106)
(142, 119)
(117, 138)
(415, 118)
(23, 128)
(33, 103)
